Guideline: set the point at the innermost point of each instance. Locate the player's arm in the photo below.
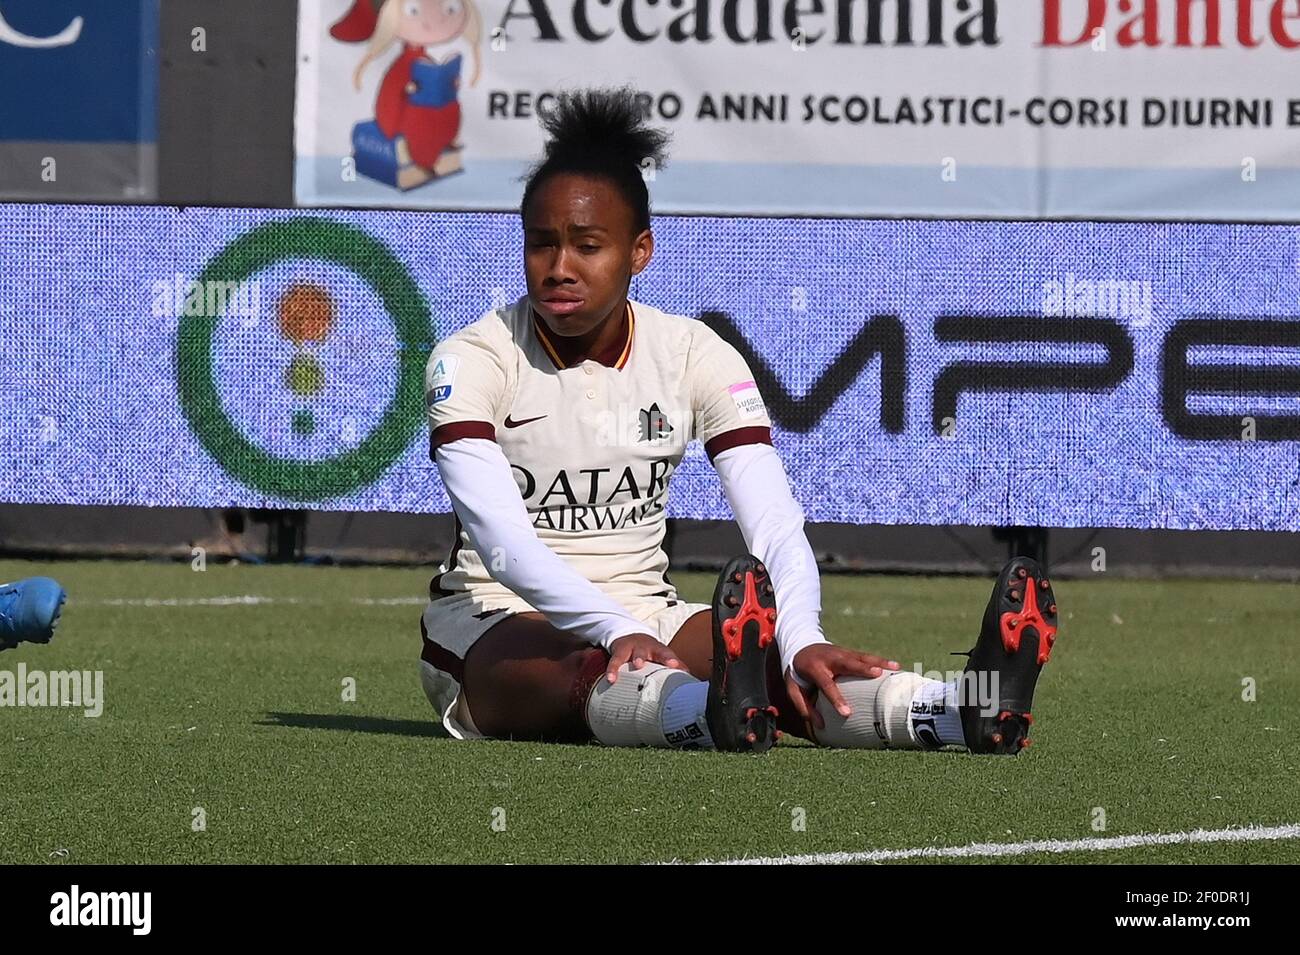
(463, 381)
(772, 523)
(732, 421)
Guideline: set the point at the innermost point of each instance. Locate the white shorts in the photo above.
(451, 625)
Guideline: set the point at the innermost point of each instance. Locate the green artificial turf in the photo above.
(237, 709)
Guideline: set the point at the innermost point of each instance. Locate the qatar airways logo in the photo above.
(874, 23)
(65, 37)
(595, 498)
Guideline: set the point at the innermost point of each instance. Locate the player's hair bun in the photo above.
(601, 132)
(607, 123)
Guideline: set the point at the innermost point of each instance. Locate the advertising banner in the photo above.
(1058, 374)
(79, 100)
(1098, 109)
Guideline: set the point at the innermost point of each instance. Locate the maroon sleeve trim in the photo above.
(735, 438)
(455, 430)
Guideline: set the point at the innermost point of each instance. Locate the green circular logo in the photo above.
(400, 421)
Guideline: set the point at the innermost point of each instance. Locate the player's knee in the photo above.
(540, 697)
(588, 667)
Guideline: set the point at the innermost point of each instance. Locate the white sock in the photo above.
(935, 716)
(880, 712)
(683, 719)
(634, 711)
(894, 711)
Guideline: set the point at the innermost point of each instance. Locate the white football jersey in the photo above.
(593, 446)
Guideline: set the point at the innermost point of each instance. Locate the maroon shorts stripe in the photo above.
(435, 585)
(735, 438)
(460, 429)
(440, 657)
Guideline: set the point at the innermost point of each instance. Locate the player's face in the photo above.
(580, 252)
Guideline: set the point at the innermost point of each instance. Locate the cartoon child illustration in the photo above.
(413, 137)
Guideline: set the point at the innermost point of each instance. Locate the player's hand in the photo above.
(639, 649)
(820, 664)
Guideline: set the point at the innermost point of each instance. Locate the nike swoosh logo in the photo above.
(515, 424)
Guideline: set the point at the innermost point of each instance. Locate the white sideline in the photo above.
(1000, 849)
(242, 600)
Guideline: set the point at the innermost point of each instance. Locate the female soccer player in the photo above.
(556, 425)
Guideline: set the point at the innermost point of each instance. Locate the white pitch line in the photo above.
(243, 600)
(998, 849)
